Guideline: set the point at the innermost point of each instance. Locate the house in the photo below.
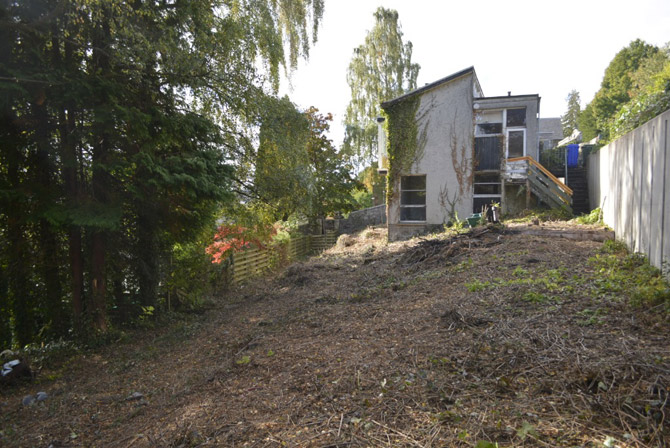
(448, 150)
(551, 132)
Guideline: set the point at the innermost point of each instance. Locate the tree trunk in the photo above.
(69, 157)
(100, 178)
(48, 242)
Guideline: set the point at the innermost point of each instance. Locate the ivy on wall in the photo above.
(405, 143)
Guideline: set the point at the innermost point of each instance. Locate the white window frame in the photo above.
(424, 206)
(507, 131)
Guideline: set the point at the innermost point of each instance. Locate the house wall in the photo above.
(531, 103)
(445, 119)
(629, 179)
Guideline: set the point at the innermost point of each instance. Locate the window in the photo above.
(488, 151)
(487, 191)
(516, 143)
(516, 118)
(489, 128)
(413, 198)
(489, 122)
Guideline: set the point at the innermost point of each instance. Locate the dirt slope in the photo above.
(491, 337)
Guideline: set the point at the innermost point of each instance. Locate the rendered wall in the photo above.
(445, 119)
(629, 179)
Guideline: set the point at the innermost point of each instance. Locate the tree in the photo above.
(380, 70)
(570, 120)
(282, 178)
(587, 124)
(617, 82)
(332, 184)
(119, 126)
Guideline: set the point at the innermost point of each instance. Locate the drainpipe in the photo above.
(381, 147)
(566, 164)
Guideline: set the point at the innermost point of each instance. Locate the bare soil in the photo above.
(454, 341)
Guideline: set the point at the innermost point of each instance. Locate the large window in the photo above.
(413, 198)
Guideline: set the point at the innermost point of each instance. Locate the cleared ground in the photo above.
(468, 340)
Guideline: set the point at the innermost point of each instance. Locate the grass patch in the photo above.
(476, 285)
(528, 216)
(622, 274)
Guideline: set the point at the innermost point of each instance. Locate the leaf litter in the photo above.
(477, 339)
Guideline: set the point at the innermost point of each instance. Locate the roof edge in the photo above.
(426, 87)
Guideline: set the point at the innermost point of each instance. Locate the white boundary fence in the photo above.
(629, 179)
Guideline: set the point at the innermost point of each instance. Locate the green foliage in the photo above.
(122, 124)
(635, 88)
(282, 176)
(554, 214)
(588, 124)
(477, 285)
(618, 82)
(594, 217)
(570, 120)
(332, 184)
(590, 316)
(404, 144)
(380, 69)
(631, 274)
(535, 297)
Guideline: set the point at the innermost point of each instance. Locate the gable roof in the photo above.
(432, 85)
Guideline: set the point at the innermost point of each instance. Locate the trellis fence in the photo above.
(254, 262)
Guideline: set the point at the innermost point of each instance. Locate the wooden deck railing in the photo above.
(539, 166)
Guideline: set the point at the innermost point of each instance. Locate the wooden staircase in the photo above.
(542, 183)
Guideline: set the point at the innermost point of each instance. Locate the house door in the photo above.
(516, 143)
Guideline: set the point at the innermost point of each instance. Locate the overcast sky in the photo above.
(525, 47)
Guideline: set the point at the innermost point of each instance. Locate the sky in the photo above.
(526, 47)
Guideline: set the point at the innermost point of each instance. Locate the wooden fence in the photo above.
(628, 178)
(254, 262)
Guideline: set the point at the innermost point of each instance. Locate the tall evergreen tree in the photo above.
(570, 120)
(380, 70)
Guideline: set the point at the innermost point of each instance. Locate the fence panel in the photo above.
(628, 178)
(254, 262)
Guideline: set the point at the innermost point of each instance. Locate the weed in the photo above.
(590, 317)
(629, 275)
(614, 247)
(464, 265)
(554, 214)
(595, 217)
(244, 360)
(476, 285)
(535, 297)
(520, 272)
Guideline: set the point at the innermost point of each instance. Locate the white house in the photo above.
(449, 150)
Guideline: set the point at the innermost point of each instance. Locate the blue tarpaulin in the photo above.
(573, 155)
